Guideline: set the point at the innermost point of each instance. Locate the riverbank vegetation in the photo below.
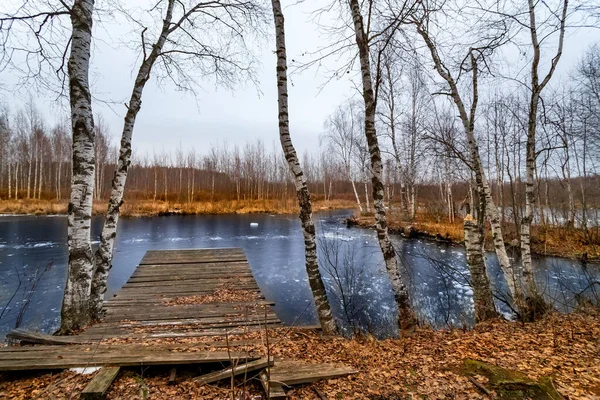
(143, 208)
(553, 240)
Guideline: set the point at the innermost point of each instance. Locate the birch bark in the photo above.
(312, 266)
(104, 253)
(406, 317)
(482, 294)
(535, 302)
(468, 121)
(75, 311)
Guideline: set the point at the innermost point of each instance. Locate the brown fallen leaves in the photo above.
(223, 294)
(426, 365)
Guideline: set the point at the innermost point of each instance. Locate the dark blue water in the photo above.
(350, 260)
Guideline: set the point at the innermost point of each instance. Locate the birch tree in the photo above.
(75, 313)
(406, 318)
(536, 305)
(308, 227)
(468, 120)
(341, 140)
(183, 53)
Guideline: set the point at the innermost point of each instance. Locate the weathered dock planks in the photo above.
(61, 357)
(152, 304)
(174, 294)
(171, 294)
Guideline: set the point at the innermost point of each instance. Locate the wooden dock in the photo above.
(175, 294)
(171, 294)
(186, 293)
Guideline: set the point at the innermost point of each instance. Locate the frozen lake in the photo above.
(350, 259)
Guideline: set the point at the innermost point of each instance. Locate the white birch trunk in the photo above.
(109, 231)
(482, 294)
(536, 305)
(9, 183)
(310, 243)
(356, 195)
(75, 308)
(482, 183)
(41, 180)
(406, 318)
(367, 203)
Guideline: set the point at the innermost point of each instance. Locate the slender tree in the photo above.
(536, 305)
(308, 227)
(75, 313)
(406, 318)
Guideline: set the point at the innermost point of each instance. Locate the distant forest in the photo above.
(426, 167)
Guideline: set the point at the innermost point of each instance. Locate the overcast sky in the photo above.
(170, 118)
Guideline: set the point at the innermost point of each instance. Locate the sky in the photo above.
(170, 118)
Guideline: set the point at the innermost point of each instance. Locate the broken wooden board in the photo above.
(237, 370)
(289, 372)
(272, 389)
(41, 338)
(98, 386)
(63, 357)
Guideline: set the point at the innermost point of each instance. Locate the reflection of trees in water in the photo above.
(351, 279)
(25, 283)
(568, 286)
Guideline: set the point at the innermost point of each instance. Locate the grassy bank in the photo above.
(428, 365)
(545, 240)
(137, 208)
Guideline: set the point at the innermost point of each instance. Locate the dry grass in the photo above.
(34, 207)
(547, 240)
(136, 208)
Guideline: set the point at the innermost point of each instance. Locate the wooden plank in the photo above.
(291, 372)
(120, 358)
(99, 385)
(272, 389)
(193, 256)
(236, 370)
(41, 338)
(172, 376)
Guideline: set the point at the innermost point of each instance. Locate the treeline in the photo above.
(426, 161)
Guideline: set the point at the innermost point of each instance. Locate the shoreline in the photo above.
(150, 208)
(548, 241)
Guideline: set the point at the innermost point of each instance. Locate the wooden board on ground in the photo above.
(40, 338)
(272, 389)
(98, 386)
(289, 372)
(237, 370)
(63, 357)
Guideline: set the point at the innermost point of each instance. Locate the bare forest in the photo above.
(454, 182)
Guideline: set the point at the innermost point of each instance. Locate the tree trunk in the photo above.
(109, 231)
(482, 295)
(75, 308)
(353, 189)
(41, 179)
(406, 318)
(536, 305)
(312, 266)
(367, 203)
(35, 169)
(483, 187)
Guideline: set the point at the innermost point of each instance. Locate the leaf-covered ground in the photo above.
(426, 365)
